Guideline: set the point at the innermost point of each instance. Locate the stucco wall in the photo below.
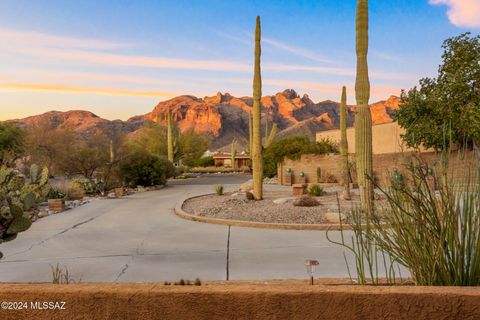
(383, 165)
(385, 138)
(241, 300)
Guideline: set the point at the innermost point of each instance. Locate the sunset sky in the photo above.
(120, 58)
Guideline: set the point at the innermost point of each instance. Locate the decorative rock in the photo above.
(283, 200)
(333, 217)
(247, 186)
(42, 214)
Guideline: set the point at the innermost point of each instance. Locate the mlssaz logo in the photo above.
(47, 305)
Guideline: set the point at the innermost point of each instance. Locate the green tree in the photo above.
(192, 146)
(293, 148)
(446, 109)
(144, 169)
(11, 143)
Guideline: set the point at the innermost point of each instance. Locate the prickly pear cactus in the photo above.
(18, 197)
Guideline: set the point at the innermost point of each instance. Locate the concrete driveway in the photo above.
(139, 239)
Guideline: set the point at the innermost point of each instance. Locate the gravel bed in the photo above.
(235, 206)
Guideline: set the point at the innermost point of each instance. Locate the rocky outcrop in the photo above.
(224, 117)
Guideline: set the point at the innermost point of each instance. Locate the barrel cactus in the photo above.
(363, 117)
(17, 198)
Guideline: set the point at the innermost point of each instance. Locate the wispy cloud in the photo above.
(247, 39)
(298, 51)
(100, 58)
(462, 13)
(385, 55)
(37, 39)
(84, 90)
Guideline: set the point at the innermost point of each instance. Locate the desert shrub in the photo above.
(328, 178)
(144, 169)
(435, 234)
(11, 143)
(205, 162)
(219, 189)
(61, 275)
(315, 190)
(90, 186)
(293, 148)
(305, 201)
(69, 189)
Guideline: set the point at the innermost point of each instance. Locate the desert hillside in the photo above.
(224, 117)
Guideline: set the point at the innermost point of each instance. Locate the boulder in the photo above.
(333, 217)
(247, 186)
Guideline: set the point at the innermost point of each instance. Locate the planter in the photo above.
(299, 189)
(56, 205)
(119, 192)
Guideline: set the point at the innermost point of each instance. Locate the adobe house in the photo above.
(224, 159)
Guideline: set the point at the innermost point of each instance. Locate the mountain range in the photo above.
(224, 117)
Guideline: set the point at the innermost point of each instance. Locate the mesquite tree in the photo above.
(256, 149)
(344, 146)
(363, 117)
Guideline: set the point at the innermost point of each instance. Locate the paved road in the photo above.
(139, 238)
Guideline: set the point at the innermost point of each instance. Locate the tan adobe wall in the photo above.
(385, 138)
(383, 165)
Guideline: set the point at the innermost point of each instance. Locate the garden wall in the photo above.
(242, 301)
(383, 165)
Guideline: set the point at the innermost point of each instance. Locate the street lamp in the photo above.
(311, 265)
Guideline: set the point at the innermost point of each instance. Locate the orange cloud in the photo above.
(462, 13)
(84, 90)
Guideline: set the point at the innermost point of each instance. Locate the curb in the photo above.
(251, 224)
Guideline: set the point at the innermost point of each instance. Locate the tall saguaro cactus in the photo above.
(344, 146)
(257, 134)
(363, 117)
(169, 136)
(234, 155)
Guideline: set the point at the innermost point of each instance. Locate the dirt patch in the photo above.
(243, 300)
(276, 207)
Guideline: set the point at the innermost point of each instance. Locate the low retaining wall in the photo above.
(242, 301)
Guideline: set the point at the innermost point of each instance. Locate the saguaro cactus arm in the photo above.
(363, 117)
(257, 134)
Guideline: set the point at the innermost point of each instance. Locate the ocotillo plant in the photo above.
(271, 135)
(169, 136)
(344, 146)
(234, 155)
(257, 134)
(363, 117)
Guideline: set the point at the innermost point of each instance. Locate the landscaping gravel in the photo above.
(235, 206)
